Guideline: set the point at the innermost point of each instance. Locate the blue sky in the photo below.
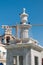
(10, 10)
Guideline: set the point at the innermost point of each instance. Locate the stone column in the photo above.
(27, 58)
(9, 59)
(17, 60)
(5, 41)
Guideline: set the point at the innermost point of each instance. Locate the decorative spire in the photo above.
(7, 29)
(24, 17)
(24, 10)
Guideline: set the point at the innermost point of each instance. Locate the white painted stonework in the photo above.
(3, 54)
(21, 50)
(42, 54)
(33, 54)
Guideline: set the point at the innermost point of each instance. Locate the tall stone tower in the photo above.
(24, 26)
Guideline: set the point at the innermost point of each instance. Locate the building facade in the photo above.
(20, 49)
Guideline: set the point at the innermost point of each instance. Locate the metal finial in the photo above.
(24, 10)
